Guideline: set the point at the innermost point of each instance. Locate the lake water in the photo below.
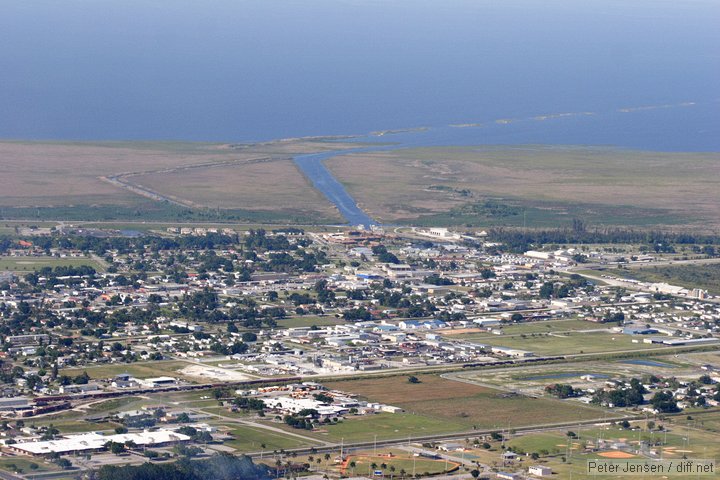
(565, 375)
(648, 363)
(639, 74)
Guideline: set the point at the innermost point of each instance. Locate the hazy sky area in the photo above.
(233, 70)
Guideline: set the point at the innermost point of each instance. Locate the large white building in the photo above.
(94, 441)
(295, 405)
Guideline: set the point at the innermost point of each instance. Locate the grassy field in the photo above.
(566, 343)
(394, 461)
(705, 276)
(139, 370)
(82, 427)
(248, 439)
(264, 185)
(463, 404)
(533, 185)
(23, 465)
(532, 327)
(189, 181)
(309, 321)
(23, 264)
(568, 459)
(389, 425)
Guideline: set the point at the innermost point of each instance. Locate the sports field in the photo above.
(395, 462)
(568, 457)
(28, 264)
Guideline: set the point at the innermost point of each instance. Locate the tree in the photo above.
(115, 447)
(82, 379)
(664, 402)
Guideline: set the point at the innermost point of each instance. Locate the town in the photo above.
(289, 344)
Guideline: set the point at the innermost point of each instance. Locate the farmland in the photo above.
(531, 185)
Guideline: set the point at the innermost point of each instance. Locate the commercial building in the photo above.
(94, 441)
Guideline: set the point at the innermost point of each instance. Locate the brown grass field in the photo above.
(598, 183)
(47, 174)
(465, 403)
(540, 186)
(263, 185)
(259, 177)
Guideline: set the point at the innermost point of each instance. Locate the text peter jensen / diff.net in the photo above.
(651, 467)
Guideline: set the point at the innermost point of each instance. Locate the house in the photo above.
(540, 470)
(509, 455)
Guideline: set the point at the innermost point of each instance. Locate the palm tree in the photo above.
(402, 473)
(352, 466)
(392, 471)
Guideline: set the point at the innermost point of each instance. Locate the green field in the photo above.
(705, 276)
(248, 439)
(23, 465)
(67, 427)
(138, 370)
(394, 462)
(27, 264)
(446, 405)
(568, 459)
(309, 321)
(545, 326)
(563, 344)
(387, 426)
